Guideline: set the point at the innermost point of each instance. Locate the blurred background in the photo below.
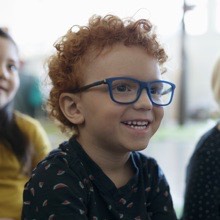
(190, 32)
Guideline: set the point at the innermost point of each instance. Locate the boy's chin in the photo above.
(138, 147)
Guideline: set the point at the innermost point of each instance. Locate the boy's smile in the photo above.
(111, 126)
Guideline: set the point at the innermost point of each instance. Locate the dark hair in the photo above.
(5, 35)
(10, 133)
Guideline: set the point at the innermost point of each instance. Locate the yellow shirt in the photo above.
(11, 179)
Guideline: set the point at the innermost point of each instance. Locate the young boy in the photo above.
(108, 90)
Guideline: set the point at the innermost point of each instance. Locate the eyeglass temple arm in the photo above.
(167, 91)
(83, 88)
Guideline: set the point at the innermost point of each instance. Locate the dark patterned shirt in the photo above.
(69, 185)
(202, 196)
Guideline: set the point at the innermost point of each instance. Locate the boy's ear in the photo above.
(69, 104)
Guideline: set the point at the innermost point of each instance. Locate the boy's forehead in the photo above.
(118, 59)
(91, 57)
(95, 52)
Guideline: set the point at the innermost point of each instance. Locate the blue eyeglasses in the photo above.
(125, 90)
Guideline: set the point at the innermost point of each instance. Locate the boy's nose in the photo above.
(144, 101)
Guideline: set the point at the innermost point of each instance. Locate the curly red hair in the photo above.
(65, 66)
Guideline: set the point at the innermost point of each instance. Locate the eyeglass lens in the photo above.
(128, 91)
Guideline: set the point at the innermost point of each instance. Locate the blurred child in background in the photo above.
(202, 193)
(23, 141)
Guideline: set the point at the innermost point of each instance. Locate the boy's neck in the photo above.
(116, 167)
(118, 170)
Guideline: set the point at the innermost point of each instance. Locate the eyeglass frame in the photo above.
(142, 85)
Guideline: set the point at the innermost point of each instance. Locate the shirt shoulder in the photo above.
(207, 148)
(25, 120)
(58, 186)
(59, 161)
(36, 134)
(210, 139)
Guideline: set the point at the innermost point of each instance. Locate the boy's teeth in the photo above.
(138, 127)
(139, 123)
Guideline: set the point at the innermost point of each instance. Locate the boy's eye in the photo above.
(122, 88)
(156, 90)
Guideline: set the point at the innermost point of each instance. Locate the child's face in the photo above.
(9, 79)
(108, 124)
